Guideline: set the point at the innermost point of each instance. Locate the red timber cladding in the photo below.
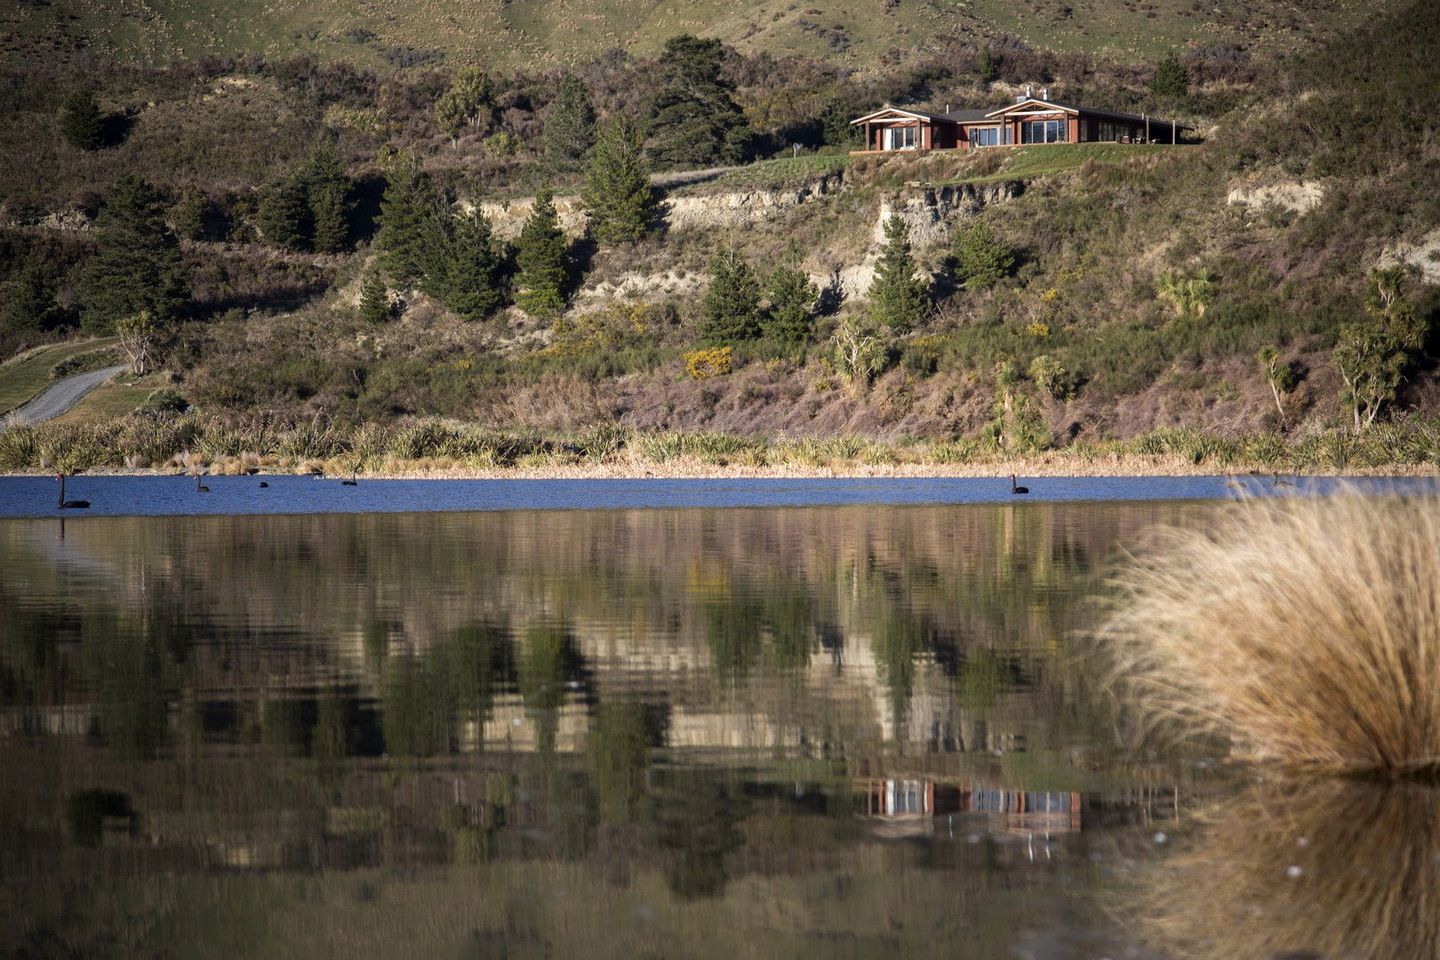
(1073, 132)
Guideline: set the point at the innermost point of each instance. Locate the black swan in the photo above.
(64, 504)
(200, 487)
(1015, 489)
(352, 482)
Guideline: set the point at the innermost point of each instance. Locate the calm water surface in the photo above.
(840, 731)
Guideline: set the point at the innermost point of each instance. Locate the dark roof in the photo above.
(964, 116)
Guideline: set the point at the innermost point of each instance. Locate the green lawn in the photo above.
(29, 374)
(1024, 163)
(110, 400)
(773, 174)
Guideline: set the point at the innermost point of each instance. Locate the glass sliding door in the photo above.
(1043, 131)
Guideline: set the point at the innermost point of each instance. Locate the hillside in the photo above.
(537, 33)
(1139, 286)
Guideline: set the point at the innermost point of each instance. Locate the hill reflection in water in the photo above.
(853, 731)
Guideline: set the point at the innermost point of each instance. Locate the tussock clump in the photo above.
(1307, 631)
(1301, 868)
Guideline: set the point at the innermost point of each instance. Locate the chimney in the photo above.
(1044, 93)
(947, 108)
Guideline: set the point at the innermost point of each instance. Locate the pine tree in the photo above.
(569, 126)
(540, 255)
(617, 185)
(374, 298)
(986, 66)
(730, 311)
(284, 215)
(328, 208)
(792, 297)
(897, 299)
(137, 266)
(81, 121)
(407, 221)
(327, 194)
(694, 119)
(1171, 79)
(835, 127)
(191, 215)
(980, 259)
(471, 284)
(30, 302)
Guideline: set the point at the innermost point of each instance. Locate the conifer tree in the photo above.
(897, 299)
(329, 205)
(471, 281)
(30, 302)
(694, 119)
(81, 121)
(980, 259)
(327, 193)
(1171, 79)
(407, 221)
(137, 266)
(569, 126)
(189, 217)
(617, 185)
(374, 298)
(540, 255)
(986, 66)
(730, 311)
(284, 215)
(791, 298)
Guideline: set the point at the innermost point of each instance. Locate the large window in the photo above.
(1042, 131)
(900, 138)
(985, 136)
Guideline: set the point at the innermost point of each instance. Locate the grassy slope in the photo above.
(532, 32)
(27, 375)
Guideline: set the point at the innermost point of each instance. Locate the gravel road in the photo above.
(62, 396)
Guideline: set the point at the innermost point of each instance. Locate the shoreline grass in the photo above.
(1305, 631)
(160, 442)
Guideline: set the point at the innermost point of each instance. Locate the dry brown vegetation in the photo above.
(1301, 869)
(1306, 631)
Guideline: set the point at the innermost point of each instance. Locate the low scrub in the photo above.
(1306, 631)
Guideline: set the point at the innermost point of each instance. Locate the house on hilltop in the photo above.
(1029, 119)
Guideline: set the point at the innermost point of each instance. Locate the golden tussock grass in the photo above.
(1300, 868)
(1306, 630)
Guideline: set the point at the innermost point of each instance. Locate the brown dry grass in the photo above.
(1300, 869)
(1307, 631)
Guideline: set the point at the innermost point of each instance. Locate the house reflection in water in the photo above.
(911, 807)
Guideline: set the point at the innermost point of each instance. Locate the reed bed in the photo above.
(1306, 631)
(432, 445)
(1300, 868)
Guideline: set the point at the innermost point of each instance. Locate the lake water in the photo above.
(828, 731)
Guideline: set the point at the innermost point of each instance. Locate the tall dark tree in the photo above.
(327, 194)
(617, 184)
(190, 217)
(791, 295)
(30, 302)
(897, 298)
(471, 282)
(374, 298)
(835, 125)
(985, 66)
(730, 311)
(137, 266)
(540, 255)
(81, 121)
(569, 125)
(284, 215)
(694, 119)
(407, 219)
(1171, 79)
